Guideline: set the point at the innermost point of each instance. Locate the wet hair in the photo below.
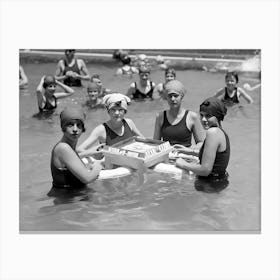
(170, 71)
(232, 74)
(49, 80)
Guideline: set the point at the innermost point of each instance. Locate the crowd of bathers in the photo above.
(200, 143)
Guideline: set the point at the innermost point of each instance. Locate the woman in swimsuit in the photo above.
(215, 152)
(143, 89)
(178, 125)
(46, 95)
(68, 170)
(231, 93)
(170, 74)
(114, 130)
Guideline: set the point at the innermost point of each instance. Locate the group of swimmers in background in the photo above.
(176, 125)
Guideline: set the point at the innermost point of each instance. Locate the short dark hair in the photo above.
(232, 74)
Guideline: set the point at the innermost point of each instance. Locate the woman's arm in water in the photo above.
(198, 131)
(23, 80)
(67, 90)
(59, 71)
(40, 93)
(84, 70)
(97, 135)
(69, 158)
(158, 125)
(131, 90)
(219, 93)
(208, 158)
(246, 96)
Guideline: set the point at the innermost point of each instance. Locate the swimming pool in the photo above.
(162, 203)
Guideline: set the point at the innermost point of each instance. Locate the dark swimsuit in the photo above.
(48, 106)
(140, 95)
(217, 180)
(230, 100)
(63, 178)
(70, 81)
(178, 133)
(113, 138)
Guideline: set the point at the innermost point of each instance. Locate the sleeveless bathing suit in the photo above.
(63, 178)
(178, 133)
(113, 138)
(140, 95)
(230, 100)
(70, 81)
(221, 160)
(48, 106)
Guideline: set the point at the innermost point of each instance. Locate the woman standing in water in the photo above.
(170, 74)
(215, 152)
(46, 95)
(144, 88)
(177, 125)
(116, 129)
(68, 171)
(231, 93)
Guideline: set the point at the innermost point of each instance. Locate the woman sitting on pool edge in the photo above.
(143, 89)
(177, 125)
(68, 171)
(113, 131)
(215, 152)
(46, 95)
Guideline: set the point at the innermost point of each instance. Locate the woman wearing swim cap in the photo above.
(114, 130)
(46, 95)
(178, 125)
(68, 171)
(143, 89)
(215, 152)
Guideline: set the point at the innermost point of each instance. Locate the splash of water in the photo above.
(252, 64)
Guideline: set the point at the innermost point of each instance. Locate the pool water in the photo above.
(163, 203)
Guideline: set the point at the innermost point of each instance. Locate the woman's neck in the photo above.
(143, 83)
(71, 143)
(175, 111)
(115, 125)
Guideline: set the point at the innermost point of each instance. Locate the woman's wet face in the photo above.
(207, 120)
(74, 128)
(116, 113)
(51, 88)
(174, 98)
(169, 77)
(231, 82)
(144, 75)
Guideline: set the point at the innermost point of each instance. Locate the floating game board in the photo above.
(137, 153)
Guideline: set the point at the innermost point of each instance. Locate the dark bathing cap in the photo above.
(175, 86)
(214, 107)
(49, 80)
(72, 113)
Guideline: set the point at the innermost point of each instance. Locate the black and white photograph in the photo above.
(139, 140)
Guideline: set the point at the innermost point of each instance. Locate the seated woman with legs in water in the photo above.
(68, 171)
(170, 74)
(215, 152)
(177, 125)
(46, 95)
(114, 130)
(231, 93)
(142, 90)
